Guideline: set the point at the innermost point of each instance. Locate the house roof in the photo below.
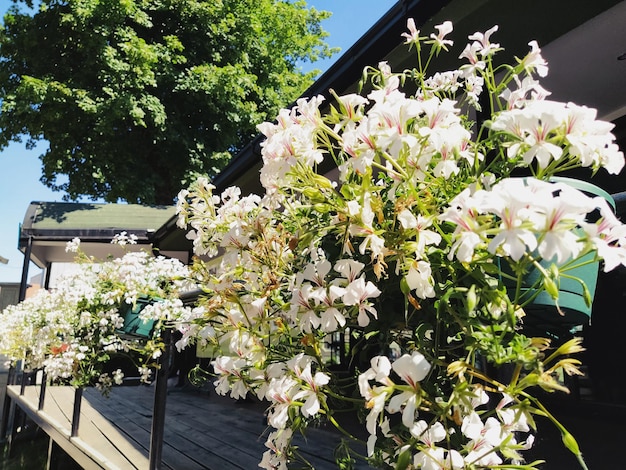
(50, 225)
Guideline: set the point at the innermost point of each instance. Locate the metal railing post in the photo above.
(160, 397)
(78, 397)
(42, 390)
(6, 406)
(25, 378)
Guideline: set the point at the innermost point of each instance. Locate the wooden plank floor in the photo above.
(202, 431)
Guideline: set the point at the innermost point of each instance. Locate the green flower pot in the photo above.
(134, 326)
(542, 314)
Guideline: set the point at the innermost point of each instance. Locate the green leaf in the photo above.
(404, 459)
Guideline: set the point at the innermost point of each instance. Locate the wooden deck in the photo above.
(202, 431)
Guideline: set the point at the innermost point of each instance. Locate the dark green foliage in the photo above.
(136, 96)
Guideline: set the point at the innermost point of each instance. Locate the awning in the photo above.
(48, 226)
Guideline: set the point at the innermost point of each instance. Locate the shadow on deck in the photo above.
(206, 431)
(202, 431)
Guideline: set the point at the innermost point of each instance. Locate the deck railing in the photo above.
(22, 377)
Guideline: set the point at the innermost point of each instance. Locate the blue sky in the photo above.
(20, 169)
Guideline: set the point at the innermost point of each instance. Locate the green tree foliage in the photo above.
(135, 96)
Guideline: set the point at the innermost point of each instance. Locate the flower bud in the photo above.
(551, 287)
(570, 442)
(472, 299)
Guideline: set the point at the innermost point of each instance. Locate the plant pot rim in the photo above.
(586, 187)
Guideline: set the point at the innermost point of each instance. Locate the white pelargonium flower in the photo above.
(358, 293)
(412, 369)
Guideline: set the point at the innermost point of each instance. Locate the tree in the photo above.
(136, 96)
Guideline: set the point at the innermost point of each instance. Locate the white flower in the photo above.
(230, 378)
(357, 294)
(375, 396)
(280, 392)
(73, 245)
(407, 219)
(411, 369)
(408, 246)
(483, 44)
(118, 376)
(483, 438)
(331, 317)
(314, 382)
(534, 61)
(349, 268)
(438, 39)
(413, 35)
(420, 280)
(123, 238)
(145, 374)
(277, 457)
(438, 458)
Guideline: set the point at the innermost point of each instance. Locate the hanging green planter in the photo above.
(134, 326)
(542, 313)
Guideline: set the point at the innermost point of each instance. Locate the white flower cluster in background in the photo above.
(71, 331)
